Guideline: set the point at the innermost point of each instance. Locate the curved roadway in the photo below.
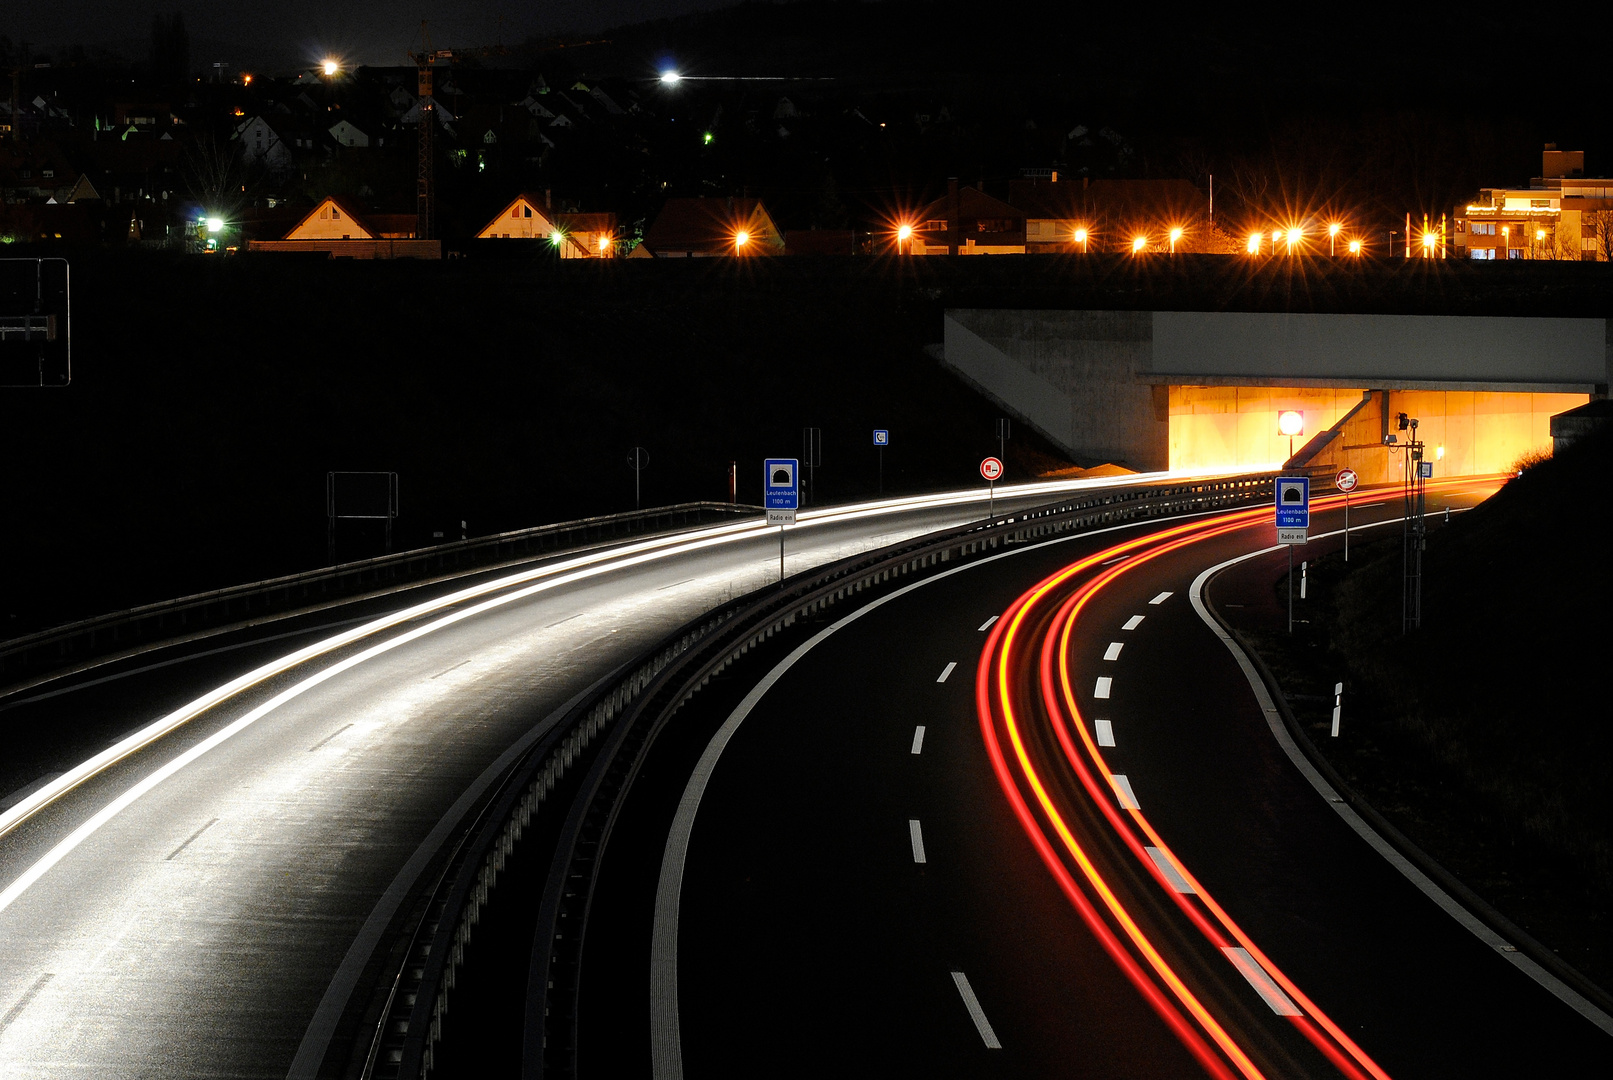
(189, 901)
(977, 830)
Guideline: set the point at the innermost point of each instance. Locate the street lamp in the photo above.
(671, 77)
(1293, 239)
(1355, 247)
(1081, 238)
(330, 68)
(1176, 234)
(1138, 243)
(1429, 240)
(1291, 422)
(741, 238)
(1332, 237)
(904, 233)
(1253, 246)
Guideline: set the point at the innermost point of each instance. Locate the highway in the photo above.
(204, 846)
(1029, 817)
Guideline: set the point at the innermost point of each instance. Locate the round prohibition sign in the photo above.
(1346, 480)
(991, 468)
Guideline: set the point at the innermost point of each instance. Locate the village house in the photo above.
(701, 228)
(1562, 214)
(578, 236)
(1111, 215)
(966, 221)
(345, 232)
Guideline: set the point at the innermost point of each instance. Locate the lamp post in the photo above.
(904, 237)
(1355, 247)
(1332, 238)
(1139, 244)
(1081, 238)
(1176, 234)
(1253, 246)
(1291, 422)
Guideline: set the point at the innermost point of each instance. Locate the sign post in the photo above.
(882, 439)
(1346, 482)
(991, 469)
(1293, 523)
(781, 496)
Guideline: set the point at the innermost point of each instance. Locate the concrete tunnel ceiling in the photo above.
(1204, 389)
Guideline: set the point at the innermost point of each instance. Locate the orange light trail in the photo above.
(1058, 696)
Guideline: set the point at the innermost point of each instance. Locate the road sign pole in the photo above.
(1290, 588)
(991, 498)
(1346, 526)
(882, 470)
(781, 554)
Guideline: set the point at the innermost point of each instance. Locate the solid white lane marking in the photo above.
(1134, 622)
(1392, 855)
(987, 624)
(1269, 991)
(1162, 597)
(1106, 732)
(675, 584)
(946, 671)
(1123, 792)
(666, 1037)
(190, 839)
(976, 1013)
(1169, 869)
(1113, 651)
(1102, 689)
(27, 996)
(915, 833)
(918, 739)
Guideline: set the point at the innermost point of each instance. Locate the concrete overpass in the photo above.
(1187, 389)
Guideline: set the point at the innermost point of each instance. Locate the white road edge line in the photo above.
(915, 833)
(976, 1013)
(1274, 721)
(1272, 994)
(1134, 622)
(1113, 651)
(666, 1036)
(946, 671)
(918, 739)
(1105, 684)
(1105, 731)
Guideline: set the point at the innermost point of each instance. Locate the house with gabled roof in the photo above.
(578, 236)
(348, 232)
(701, 228)
(973, 221)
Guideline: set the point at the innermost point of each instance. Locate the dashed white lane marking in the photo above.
(190, 839)
(1123, 792)
(27, 996)
(1162, 597)
(1102, 689)
(1169, 869)
(946, 671)
(1106, 732)
(918, 739)
(976, 1013)
(1269, 992)
(675, 584)
(335, 733)
(1134, 622)
(1113, 651)
(1116, 559)
(987, 624)
(445, 671)
(916, 834)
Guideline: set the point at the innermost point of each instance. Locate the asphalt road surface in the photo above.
(859, 896)
(184, 909)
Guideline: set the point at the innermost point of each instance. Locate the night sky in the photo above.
(284, 33)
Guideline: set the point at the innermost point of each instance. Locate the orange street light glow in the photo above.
(1355, 247)
(741, 238)
(604, 243)
(1138, 243)
(1540, 234)
(1294, 236)
(331, 67)
(1333, 229)
(1253, 246)
(1291, 423)
(904, 232)
(1080, 236)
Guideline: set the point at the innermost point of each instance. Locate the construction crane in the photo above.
(425, 226)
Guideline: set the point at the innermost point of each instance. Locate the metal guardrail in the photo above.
(594, 754)
(119, 633)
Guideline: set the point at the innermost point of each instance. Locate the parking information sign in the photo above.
(882, 437)
(1293, 509)
(781, 489)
